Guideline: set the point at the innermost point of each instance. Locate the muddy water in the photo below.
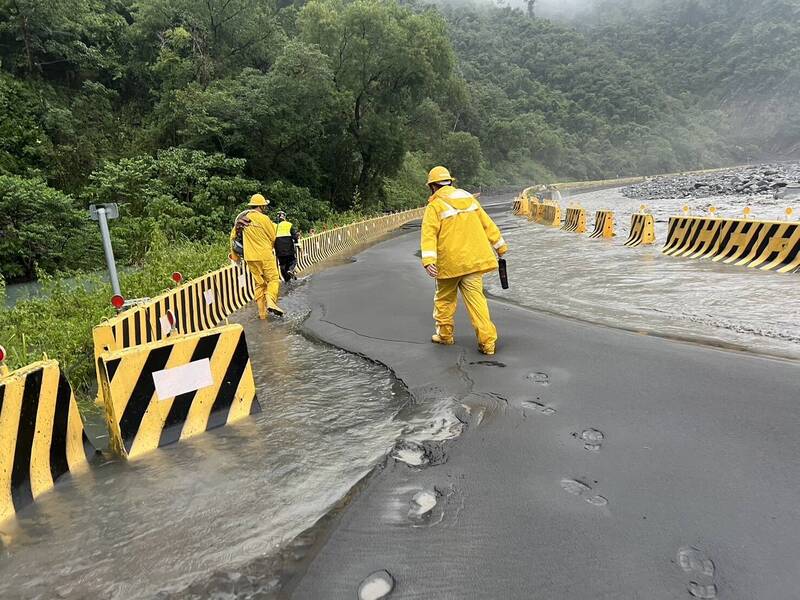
(220, 515)
(641, 289)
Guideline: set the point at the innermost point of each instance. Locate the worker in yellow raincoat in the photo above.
(459, 242)
(253, 239)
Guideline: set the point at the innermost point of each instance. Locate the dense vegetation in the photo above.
(742, 58)
(179, 109)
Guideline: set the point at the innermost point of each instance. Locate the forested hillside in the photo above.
(741, 57)
(179, 109)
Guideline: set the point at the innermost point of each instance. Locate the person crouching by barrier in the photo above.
(286, 240)
(458, 245)
(253, 239)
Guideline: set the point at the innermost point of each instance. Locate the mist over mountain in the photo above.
(741, 57)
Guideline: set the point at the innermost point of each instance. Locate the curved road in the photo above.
(596, 463)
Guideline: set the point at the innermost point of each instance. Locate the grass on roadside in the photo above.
(59, 323)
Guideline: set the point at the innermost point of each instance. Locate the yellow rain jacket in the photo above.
(458, 236)
(259, 237)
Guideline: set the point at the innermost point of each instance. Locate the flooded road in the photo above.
(220, 514)
(640, 289)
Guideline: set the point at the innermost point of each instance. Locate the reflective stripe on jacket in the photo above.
(458, 236)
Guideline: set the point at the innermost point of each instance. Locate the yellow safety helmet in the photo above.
(257, 200)
(438, 174)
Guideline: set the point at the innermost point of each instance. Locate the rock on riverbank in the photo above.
(773, 180)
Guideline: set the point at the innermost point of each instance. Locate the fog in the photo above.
(565, 8)
(571, 10)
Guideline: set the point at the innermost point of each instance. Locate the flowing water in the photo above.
(222, 514)
(640, 289)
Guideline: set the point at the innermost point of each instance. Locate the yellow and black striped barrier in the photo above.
(534, 208)
(156, 394)
(550, 214)
(603, 225)
(766, 245)
(41, 434)
(643, 230)
(206, 301)
(522, 206)
(197, 305)
(575, 220)
(525, 205)
(321, 246)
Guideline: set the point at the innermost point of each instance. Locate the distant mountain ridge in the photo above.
(740, 56)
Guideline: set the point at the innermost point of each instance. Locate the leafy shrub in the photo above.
(183, 193)
(41, 229)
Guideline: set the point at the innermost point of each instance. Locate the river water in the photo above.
(222, 514)
(641, 289)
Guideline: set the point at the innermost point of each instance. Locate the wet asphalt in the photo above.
(596, 463)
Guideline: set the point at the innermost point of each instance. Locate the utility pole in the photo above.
(102, 214)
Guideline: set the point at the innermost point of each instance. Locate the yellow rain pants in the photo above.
(444, 308)
(267, 283)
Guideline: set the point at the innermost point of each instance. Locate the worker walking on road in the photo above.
(253, 239)
(459, 241)
(285, 247)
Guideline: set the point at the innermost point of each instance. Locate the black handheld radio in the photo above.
(501, 266)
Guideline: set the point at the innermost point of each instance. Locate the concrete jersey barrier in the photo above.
(575, 220)
(41, 434)
(197, 305)
(766, 245)
(603, 225)
(320, 246)
(550, 214)
(159, 393)
(642, 231)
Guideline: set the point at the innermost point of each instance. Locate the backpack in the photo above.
(237, 245)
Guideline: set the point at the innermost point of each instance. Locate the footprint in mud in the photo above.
(421, 505)
(376, 586)
(592, 439)
(539, 378)
(420, 454)
(539, 407)
(436, 507)
(488, 363)
(694, 562)
(578, 488)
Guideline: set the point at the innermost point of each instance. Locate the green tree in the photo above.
(283, 122)
(40, 229)
(461, 152)
(386, 60)
(182, 193)
(58, 38)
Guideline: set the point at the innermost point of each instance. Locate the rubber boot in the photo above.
(274, 308)
(443, 335)
(262, 308)
(486, 349)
